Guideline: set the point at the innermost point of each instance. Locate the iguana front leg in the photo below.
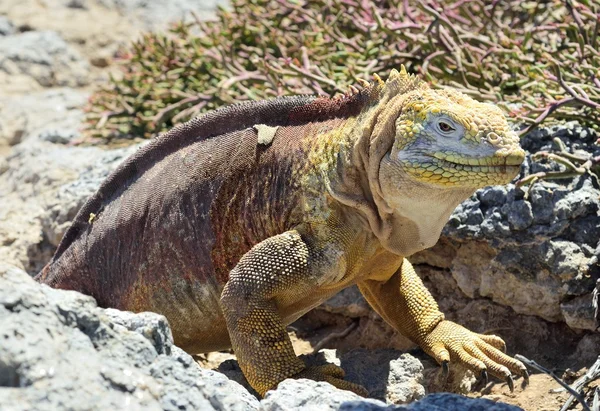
(405, 303)
(274, 273)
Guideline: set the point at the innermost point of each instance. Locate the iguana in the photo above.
(238, 222)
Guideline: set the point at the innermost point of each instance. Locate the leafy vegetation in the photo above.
(538, 60)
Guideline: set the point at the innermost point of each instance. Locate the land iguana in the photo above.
(238, 222)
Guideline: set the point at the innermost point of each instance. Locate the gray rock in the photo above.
(6, 26)
(34, 209)
(150, 13)
(494, 196)
(436, 402)
(577, 313)
(317, 396)
(311, 395)
(52, 115)
(519, 215)
(3, 165)
(349, 303)
(387, 374)
(60, 351)
(44, 56)
(13, 124)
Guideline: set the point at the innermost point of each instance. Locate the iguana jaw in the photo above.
(454, 169)
(451, 169)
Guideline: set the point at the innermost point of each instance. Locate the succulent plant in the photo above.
(538, 60)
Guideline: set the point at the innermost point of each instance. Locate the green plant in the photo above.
(536, 59)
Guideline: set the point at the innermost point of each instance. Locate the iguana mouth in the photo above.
(508, 164)
(496, 169)
(513, 159)
(455, 169)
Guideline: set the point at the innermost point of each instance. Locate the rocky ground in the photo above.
(520, 263)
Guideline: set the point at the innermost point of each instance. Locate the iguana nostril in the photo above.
(493, 137)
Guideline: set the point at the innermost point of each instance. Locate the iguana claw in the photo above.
(484, 377)
(511, 383)
(445, 370)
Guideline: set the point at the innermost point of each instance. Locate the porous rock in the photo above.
(150, 13)
(320, 396)
(60, 351)
(6, 26)
(44, 182)
(43, 56)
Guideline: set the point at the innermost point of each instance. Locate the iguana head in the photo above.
(446, 139)
(429, 150)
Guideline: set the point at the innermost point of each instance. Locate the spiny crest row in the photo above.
(396, 78)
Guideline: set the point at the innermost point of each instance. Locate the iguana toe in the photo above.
(494, 341)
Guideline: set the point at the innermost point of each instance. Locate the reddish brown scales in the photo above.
(324, 108)
(180, 213)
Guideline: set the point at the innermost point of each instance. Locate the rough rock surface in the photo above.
(310, 395)
(6, 26)
(150, 12)
(43, 180)
(45, 57)
(60, 351)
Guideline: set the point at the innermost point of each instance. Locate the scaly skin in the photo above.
(236, 224)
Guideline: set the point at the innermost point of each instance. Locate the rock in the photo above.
(387, 374)
(6, 26)
(152, 13)
(577, 313)
(443, 402)
(317, 396)
(36, 201)
(3, 165)
(311, 395)
(533, 266)
(58, 348)
(53, 115)
(43, 56)
(13, 124)
(349, 303)
(519, 215)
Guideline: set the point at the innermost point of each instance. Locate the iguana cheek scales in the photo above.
(238, 222)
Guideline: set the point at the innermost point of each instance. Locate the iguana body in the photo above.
(237, 223)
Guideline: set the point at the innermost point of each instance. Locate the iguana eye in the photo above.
(445, 127)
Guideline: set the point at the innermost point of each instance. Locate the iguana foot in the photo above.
(483, 354)
(332, 374)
